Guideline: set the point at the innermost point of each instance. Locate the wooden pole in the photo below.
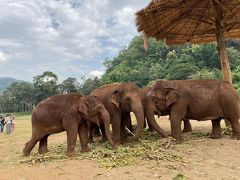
(223, 55)
(220, 37)
(221, 46)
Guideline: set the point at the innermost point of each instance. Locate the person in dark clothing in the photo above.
(2, 123)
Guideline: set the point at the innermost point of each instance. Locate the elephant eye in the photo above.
(127, 99)
(154, 99)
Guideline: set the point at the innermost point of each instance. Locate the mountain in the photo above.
(5, 82)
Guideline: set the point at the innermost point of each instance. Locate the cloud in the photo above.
(3, 56)
(68, 37)
(96, 74)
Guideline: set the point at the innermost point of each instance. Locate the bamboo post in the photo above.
(220, 37)
(223, 55)
(221, 46)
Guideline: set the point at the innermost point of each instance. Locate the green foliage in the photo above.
(135, 65)
(18, 97)
(236, 78)
(45, 85)
(179, 177)
(153, 149)
(69, 85)
(132, 64)
(89, 85)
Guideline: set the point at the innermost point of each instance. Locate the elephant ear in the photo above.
(171, 96)
(115, 99)
(83, 109)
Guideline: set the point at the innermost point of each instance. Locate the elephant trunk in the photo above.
(151, 120)
(106, 122)
(137, 109)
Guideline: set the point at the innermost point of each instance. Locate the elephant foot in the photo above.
(117, 143)
(176, 140)
(216, 136)
(90, 141)
(186, 130)
(234, 136)
(26, 153)
(164, 135)
(70, 154)
(85, 149)
(43, 151)
(123, 141)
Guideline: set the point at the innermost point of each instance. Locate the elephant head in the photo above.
(127, 97)
(93, 110)
(163, 96)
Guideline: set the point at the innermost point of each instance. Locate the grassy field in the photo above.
(196, 157)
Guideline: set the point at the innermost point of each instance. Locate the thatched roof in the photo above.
(188, 21)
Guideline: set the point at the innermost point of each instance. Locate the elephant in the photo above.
(120, 99)
(69, 113)
(200, 100)
(150, 110)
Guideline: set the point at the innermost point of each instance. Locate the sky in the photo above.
(71, 38)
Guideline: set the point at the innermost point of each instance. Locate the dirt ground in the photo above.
(202, 158)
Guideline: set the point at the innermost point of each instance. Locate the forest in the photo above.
(132, 64)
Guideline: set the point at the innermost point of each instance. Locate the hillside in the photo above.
(5, 82)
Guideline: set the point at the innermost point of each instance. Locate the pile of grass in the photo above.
(154, 148)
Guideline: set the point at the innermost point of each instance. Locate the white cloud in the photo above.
(68, 37)
(96, 74)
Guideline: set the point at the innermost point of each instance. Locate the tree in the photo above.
(69, 85)
(89, 85)
(46, 85)
(18, 97)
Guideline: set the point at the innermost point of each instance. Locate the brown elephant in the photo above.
(68, 113)
(120, 100)
(150, 110)
(199, 100)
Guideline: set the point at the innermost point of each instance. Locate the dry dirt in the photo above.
(202, 158)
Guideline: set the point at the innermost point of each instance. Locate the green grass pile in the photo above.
(154, 148)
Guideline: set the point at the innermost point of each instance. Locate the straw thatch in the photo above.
(189, 21)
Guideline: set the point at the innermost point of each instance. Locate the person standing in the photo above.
(2, 123)
(13, 121)
(8, 120)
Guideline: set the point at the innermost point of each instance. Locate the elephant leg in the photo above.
(124, 123)
(123, 134)
(187, 125)
(90, 133)
(216, 129)
(116, 123)
(177, 114)
(43, 145)
(104, 137)
(176, 129)
(236, 128)
(71, 140)
(83, 136)
(128, 121)
(96, 131)
(31, 143)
